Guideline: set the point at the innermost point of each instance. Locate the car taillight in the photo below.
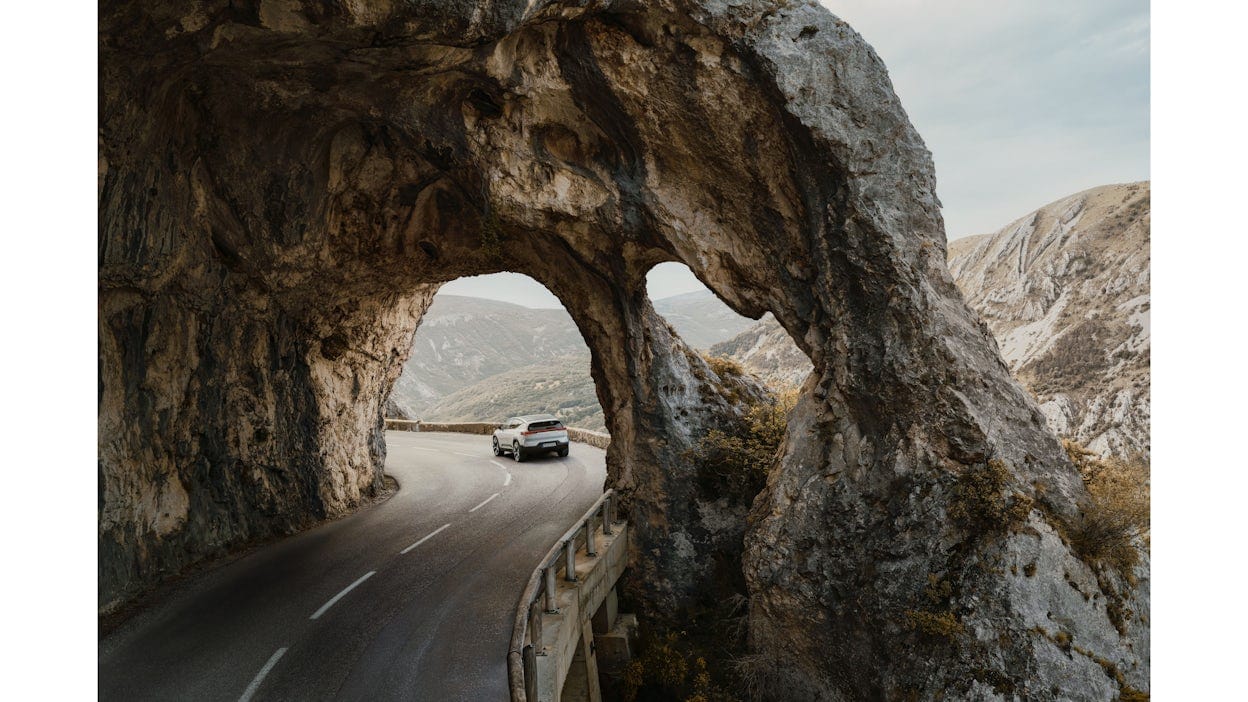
(538, 431)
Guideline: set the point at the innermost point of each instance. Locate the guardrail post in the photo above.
(535, 627)
(569, 550)
(552, 606)
(606, 516)
(591, 548)
(529, 661)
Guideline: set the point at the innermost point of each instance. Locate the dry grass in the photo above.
(724, 367)
(1118, 517)
(938, 624)
(983, 502)
(669, 668)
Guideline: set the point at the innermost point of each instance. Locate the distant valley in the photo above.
(479, 360)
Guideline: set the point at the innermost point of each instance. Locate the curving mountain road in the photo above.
(409, 599)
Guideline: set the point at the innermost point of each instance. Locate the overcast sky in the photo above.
(1021, 102)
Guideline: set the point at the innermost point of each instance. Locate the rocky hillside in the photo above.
(463, 340)
(766, 350)
(701, 319)
(1065, 290)
(560, 386)
(475, 359)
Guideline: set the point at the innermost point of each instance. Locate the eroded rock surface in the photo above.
(284, 184)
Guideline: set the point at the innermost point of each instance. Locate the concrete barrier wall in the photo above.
(403, 424)
(484, 428)
(593, 438)
(596, 439)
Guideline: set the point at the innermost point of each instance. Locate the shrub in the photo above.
(983, 501)
(723, 366)
(939, 624)
(669, 668)
(1106, 532)
(734, 463)
(491, 236)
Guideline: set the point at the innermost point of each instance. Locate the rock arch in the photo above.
(283, 186)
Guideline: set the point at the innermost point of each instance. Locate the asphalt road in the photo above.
(410, 599)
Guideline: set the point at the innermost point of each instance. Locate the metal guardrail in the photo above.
(540, 594)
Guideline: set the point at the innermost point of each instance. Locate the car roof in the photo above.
(538, 418)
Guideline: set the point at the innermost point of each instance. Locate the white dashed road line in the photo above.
(255, 683)
(507, 473)
(460, 453)
(430, 536)
(340, 595)
(483, 503)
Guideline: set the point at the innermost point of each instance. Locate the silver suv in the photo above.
(527, 436)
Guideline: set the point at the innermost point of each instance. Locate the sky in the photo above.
(664, 280)
(1021, 103)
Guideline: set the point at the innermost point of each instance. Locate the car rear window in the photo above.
(546, 424)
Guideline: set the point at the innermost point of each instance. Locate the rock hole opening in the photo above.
(495, 346)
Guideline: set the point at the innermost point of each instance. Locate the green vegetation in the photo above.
(491, 236)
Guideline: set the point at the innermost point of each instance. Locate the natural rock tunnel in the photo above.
(284, 185)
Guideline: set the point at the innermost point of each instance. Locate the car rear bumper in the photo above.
(545, 445)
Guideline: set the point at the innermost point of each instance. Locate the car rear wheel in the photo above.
(498, 450)
(563, 452)
(516, 453)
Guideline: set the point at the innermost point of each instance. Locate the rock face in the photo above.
(1065, 290)
(284, 184)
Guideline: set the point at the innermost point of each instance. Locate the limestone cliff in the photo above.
(284, 184)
